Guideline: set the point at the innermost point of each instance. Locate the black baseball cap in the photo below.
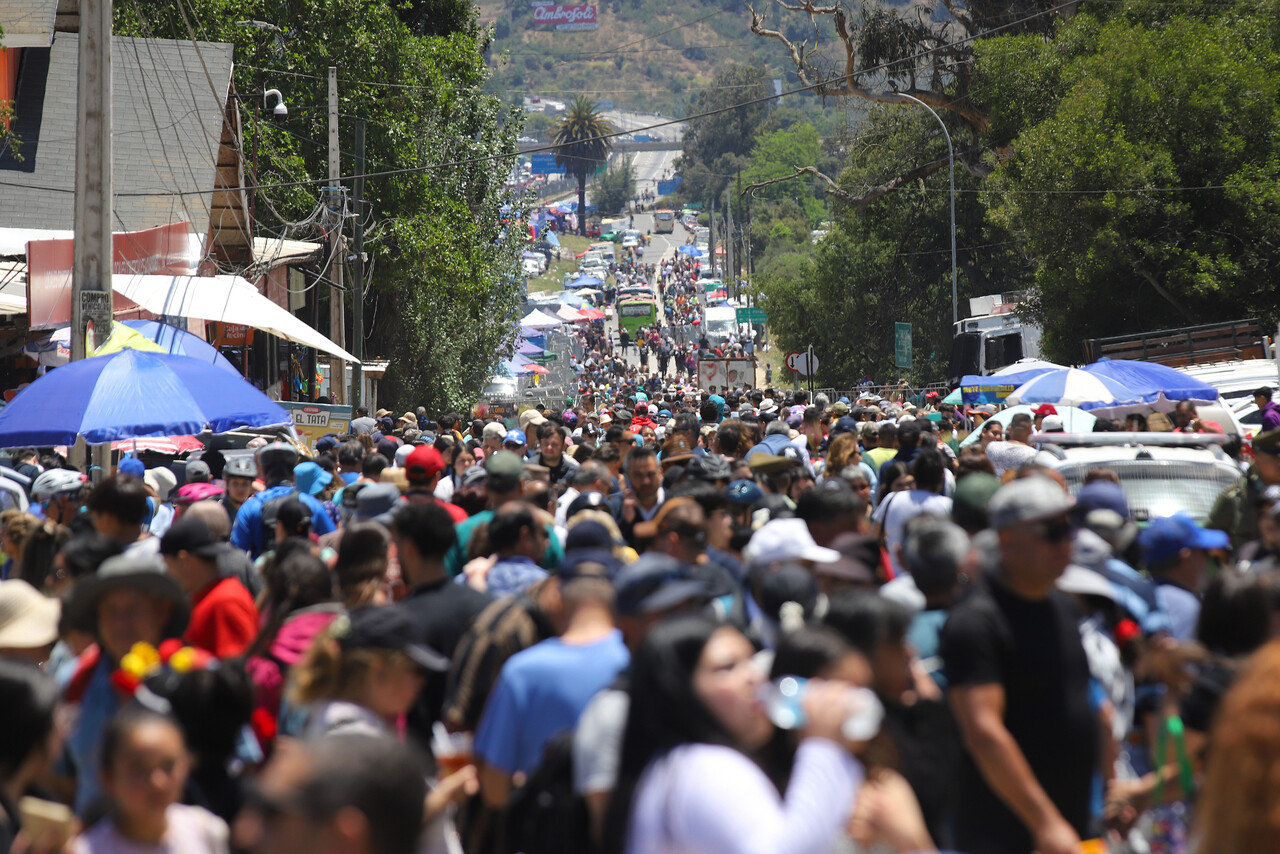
(657, 582)
(190, 534)
(387, 627)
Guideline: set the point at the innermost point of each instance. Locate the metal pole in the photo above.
(337, 317)
(951, 157)
(92, 254)
(357, 286)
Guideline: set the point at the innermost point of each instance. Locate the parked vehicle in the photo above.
(992, 337)
(718, 323)
(1233, 340)
(1161, 473)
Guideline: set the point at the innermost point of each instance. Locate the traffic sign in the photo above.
(902, 345)
(752, 315)
(804, 364)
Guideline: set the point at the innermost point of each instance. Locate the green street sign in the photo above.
(902, 345)
(752, 315)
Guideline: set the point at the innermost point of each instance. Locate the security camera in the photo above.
(280, 111)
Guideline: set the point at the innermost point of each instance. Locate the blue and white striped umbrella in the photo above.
(1074, 387)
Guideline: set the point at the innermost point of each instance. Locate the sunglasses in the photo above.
(1056, 530)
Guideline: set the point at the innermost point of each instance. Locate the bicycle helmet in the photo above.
(56, 482)
(240, 467)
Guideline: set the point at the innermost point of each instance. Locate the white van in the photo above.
(718, 323)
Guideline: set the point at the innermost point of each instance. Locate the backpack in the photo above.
(546, 815)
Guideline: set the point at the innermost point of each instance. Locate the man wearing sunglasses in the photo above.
(1020, 686)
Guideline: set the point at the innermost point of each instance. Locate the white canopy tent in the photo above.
(229, 299)
(540, 320)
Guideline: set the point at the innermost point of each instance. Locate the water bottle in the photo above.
(784, 703)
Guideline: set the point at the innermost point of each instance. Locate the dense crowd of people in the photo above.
(667, 621)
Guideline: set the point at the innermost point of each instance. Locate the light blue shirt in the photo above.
(540, 692)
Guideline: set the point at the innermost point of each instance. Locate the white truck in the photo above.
(719, 322)
(992, 337)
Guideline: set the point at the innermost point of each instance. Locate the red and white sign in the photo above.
(164, 250)
(565, 17)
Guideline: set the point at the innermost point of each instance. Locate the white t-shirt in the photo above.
(1008, 456)
(898, 508)
(678, 811)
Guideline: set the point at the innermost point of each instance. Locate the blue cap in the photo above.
(844, 424)
(516, 436)
(843, 400)
(664, 413)
(133, 467)
(310, 477)
(326, 443)
(1101, 495)
(1168, 535)
(743, 492)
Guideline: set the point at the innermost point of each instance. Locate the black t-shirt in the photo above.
(1033, 649)
(442, 611)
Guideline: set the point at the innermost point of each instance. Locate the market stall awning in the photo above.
(569, 314)
(539, 320)
(230, 299)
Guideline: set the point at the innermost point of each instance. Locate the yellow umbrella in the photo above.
(125, 338)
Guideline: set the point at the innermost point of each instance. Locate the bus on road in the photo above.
(634, 313)
(664, 221)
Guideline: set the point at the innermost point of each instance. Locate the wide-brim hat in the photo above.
(139, 572)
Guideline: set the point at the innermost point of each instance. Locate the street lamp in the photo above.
(951, 156)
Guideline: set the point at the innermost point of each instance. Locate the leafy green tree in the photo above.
(774, 158)
(442, 270)
(1144, 181)
(582, 144)
(716, 146)
(887, 262)
(615, 186)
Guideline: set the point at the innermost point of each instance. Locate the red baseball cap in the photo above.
(422, 464)
(1044, 409)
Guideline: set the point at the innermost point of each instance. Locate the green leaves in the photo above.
(444, 284)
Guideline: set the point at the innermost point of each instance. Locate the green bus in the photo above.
(635, 313)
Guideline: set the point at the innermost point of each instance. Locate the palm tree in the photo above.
(582, 145)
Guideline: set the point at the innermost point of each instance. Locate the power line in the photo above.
(656, 126)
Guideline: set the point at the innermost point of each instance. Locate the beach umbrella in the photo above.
(1160, 385)
(1074, 420)
(1073, 387)
(131, 394)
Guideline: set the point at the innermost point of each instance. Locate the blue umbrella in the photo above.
(689, 249)
(129, 395)
(1074, 387)
(1153, 380)
(584, 281)
(178, 342)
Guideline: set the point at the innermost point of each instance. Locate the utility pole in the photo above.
(357, 286)
(729, 254)
(337, 318)
(711, 236)
(91, 270)
(92, 258)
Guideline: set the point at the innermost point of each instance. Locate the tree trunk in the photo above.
(582, 204)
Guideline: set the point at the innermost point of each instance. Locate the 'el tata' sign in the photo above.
(546, 14)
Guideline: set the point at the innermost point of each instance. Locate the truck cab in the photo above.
(992, 337)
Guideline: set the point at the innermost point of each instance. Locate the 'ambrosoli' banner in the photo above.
(549, 14)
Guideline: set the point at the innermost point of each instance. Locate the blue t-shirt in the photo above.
(540, 692)
(247, 533)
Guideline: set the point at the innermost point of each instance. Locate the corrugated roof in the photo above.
(28, 23)
(269, 252)
(167, 123)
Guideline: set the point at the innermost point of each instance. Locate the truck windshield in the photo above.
(965, 351)
(1001, 350)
